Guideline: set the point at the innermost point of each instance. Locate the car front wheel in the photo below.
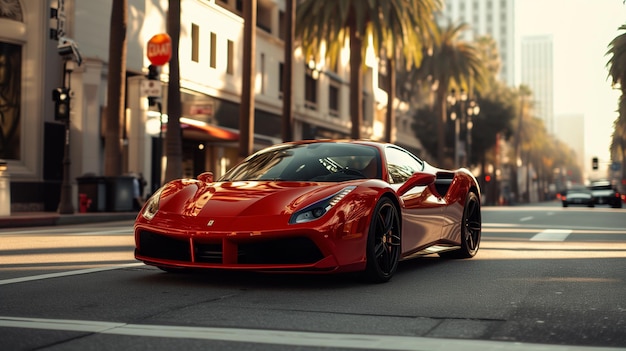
(383, 242)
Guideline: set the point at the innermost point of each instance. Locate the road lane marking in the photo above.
(68, 273)
(283, 337)
(552, 235)
(524, 219)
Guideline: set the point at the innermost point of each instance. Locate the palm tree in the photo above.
(115, 89)
(525, 106)
(451, 62)
(410, 41)
(246, 113)
(617, 72)
(173, 138)
(334, 23)
(287, 122)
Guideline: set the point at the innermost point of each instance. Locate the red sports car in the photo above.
(315, 207)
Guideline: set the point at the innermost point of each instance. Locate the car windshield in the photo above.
(319, 162)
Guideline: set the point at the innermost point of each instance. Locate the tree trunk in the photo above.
(290, 15)
(390, 115)
(173, 138)
(115, 89)
(518, 135)
(246, 112)
(441, 123)
(356, 83)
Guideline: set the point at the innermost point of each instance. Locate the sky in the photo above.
(581, 31)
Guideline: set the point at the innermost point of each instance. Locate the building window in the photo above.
(213, 62)
(333, 98)
(310, 90)
(282, 23)
(231, 57)
(10, 100)
(264, 17)
(195, 43)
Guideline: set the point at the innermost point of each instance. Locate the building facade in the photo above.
(493, 18)
(211, 46)
(537, 70)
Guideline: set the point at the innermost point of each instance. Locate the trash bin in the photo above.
(119, 193)
(95, 190)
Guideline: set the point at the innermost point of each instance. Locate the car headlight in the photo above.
(318, 209)
(152, 205)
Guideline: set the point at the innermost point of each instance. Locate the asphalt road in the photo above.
(545, 278)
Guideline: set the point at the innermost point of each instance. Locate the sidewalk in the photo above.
(34, 219)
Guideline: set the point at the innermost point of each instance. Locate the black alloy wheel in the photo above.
(471, 227)
(383, 242)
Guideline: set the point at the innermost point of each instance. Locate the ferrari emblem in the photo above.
(210, 223)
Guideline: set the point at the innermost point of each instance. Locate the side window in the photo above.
(401, 165)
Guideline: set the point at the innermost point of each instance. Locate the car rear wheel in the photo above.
(383, 242)
(471, 227)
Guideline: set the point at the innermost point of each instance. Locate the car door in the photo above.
(422, 210)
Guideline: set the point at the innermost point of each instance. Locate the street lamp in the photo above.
(472, 110)
(68, 50)
(457, 102)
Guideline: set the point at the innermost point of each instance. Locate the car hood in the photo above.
(191, 198)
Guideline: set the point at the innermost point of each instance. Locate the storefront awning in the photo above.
(208, 132)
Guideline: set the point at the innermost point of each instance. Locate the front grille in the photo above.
(297, 250)
(208, 253)
(163, 247)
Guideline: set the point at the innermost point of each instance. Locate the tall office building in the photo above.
(538, 74)
(494, 18)
(571, 130)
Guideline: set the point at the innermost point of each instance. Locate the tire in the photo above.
(471, 227)
(383, 242)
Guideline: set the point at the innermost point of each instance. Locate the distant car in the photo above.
(605, 194)
(577, 196)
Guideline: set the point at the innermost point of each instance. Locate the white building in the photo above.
(494, 18)
(211, 45)
(570, 129)
(538, 74)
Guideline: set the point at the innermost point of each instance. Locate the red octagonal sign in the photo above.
(160, 49)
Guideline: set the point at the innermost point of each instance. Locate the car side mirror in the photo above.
(417, 179)
(206, 177)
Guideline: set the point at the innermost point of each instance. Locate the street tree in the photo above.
(617, 73)
(173, 137)
(116, 83)
(393, 25)
(450, 62)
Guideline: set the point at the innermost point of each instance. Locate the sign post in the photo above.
(160, 49)
(159, 53)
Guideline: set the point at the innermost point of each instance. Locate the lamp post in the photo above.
(62, 112)
(472, 110)
(457, 102)
(68, 50)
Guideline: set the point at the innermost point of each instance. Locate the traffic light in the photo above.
(594, 163)
(153, 74)
(61, 98)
